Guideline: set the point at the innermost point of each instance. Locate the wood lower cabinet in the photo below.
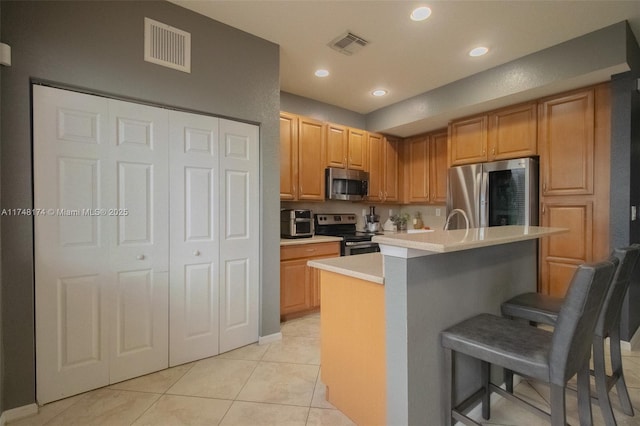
(302, 158)
(561, 254)
(299, 284)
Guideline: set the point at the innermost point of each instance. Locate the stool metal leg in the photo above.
(449, 389)
(486, 397)
(600, 374)
(508, 380)
(584, 396)
(616, 365)
(558, 414)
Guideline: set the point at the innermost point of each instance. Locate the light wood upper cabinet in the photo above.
(567, 130)
(438, 169)
(288, 156)
(468, 141)
(357, 158)
(302, 156)
(498, 135)
(425, 169)
(513, 132)
(337, 146)
(391, 161)
(416, 169)
(376, 167)
(383, 168)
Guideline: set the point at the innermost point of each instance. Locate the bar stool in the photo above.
(552, 357)
(539, 308)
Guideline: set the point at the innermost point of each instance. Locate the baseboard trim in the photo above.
(18, 413)
(264, 340)
(632, 345)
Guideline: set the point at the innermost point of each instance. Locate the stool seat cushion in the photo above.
(497, 340)
(534, 307)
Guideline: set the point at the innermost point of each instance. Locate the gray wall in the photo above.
(625, 190)
(98, 46)
(320, 111)
(1, 332)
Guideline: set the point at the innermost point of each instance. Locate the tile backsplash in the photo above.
(432, 216)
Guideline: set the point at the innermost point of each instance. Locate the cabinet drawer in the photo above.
(309, 250)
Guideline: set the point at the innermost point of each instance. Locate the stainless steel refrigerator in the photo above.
(494, 194)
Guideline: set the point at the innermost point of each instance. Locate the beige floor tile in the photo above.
(47, 412)
(327, 417)
(175, 410)
(281, 383)
(308, 326)
(256, 414)
(504, 412)
(214, 378)
(631, 368)
(107, 407)
(319, 399)
(157, 382)
(296, 350)
(253, 352)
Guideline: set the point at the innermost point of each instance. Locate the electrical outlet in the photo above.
(438, 212)
(634, 214)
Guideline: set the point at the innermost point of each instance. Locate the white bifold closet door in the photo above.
(129, 201)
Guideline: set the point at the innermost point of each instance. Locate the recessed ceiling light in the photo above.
(420, 13)
(322, 73)
(479, 51)
(379, 92)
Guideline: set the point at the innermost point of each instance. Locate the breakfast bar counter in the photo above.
(430, 282)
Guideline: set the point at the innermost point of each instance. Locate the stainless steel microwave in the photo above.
(343, 184)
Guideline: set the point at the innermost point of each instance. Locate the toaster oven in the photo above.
(296, 223)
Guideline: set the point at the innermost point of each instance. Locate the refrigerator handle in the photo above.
(484, 198)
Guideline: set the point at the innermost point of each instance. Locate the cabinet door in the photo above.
(513, 132)
(468, 141)
(417, 170)
(311, 159)
(391, 163)
(438, 168)
(567, 144)
(376, 167)
(337, 141)
(357, 157)
(561, 254)
(294, 294)
(288, 156)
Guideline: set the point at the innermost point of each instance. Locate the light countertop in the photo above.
(313, 240)
(366, 266)
(420, 244)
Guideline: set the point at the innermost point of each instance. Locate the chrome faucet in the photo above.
(453, 213)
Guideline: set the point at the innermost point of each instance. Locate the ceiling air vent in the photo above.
(348, 43)
(167, 46)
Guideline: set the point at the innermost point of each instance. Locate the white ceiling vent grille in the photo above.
(348, 43)
(167, 46)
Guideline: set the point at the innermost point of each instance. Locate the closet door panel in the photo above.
(138, 204)
(239, 243)
(194, 271)
(71, 248)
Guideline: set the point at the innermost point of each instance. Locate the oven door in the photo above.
(350, 248)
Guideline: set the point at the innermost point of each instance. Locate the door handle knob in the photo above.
(196, 252)
(140, 257)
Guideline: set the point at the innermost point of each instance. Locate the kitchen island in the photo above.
(430, 281)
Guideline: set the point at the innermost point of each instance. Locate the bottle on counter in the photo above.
(417, 221)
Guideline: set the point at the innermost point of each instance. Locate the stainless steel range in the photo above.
(344, 225)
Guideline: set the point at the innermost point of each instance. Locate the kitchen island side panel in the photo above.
(432, 293)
